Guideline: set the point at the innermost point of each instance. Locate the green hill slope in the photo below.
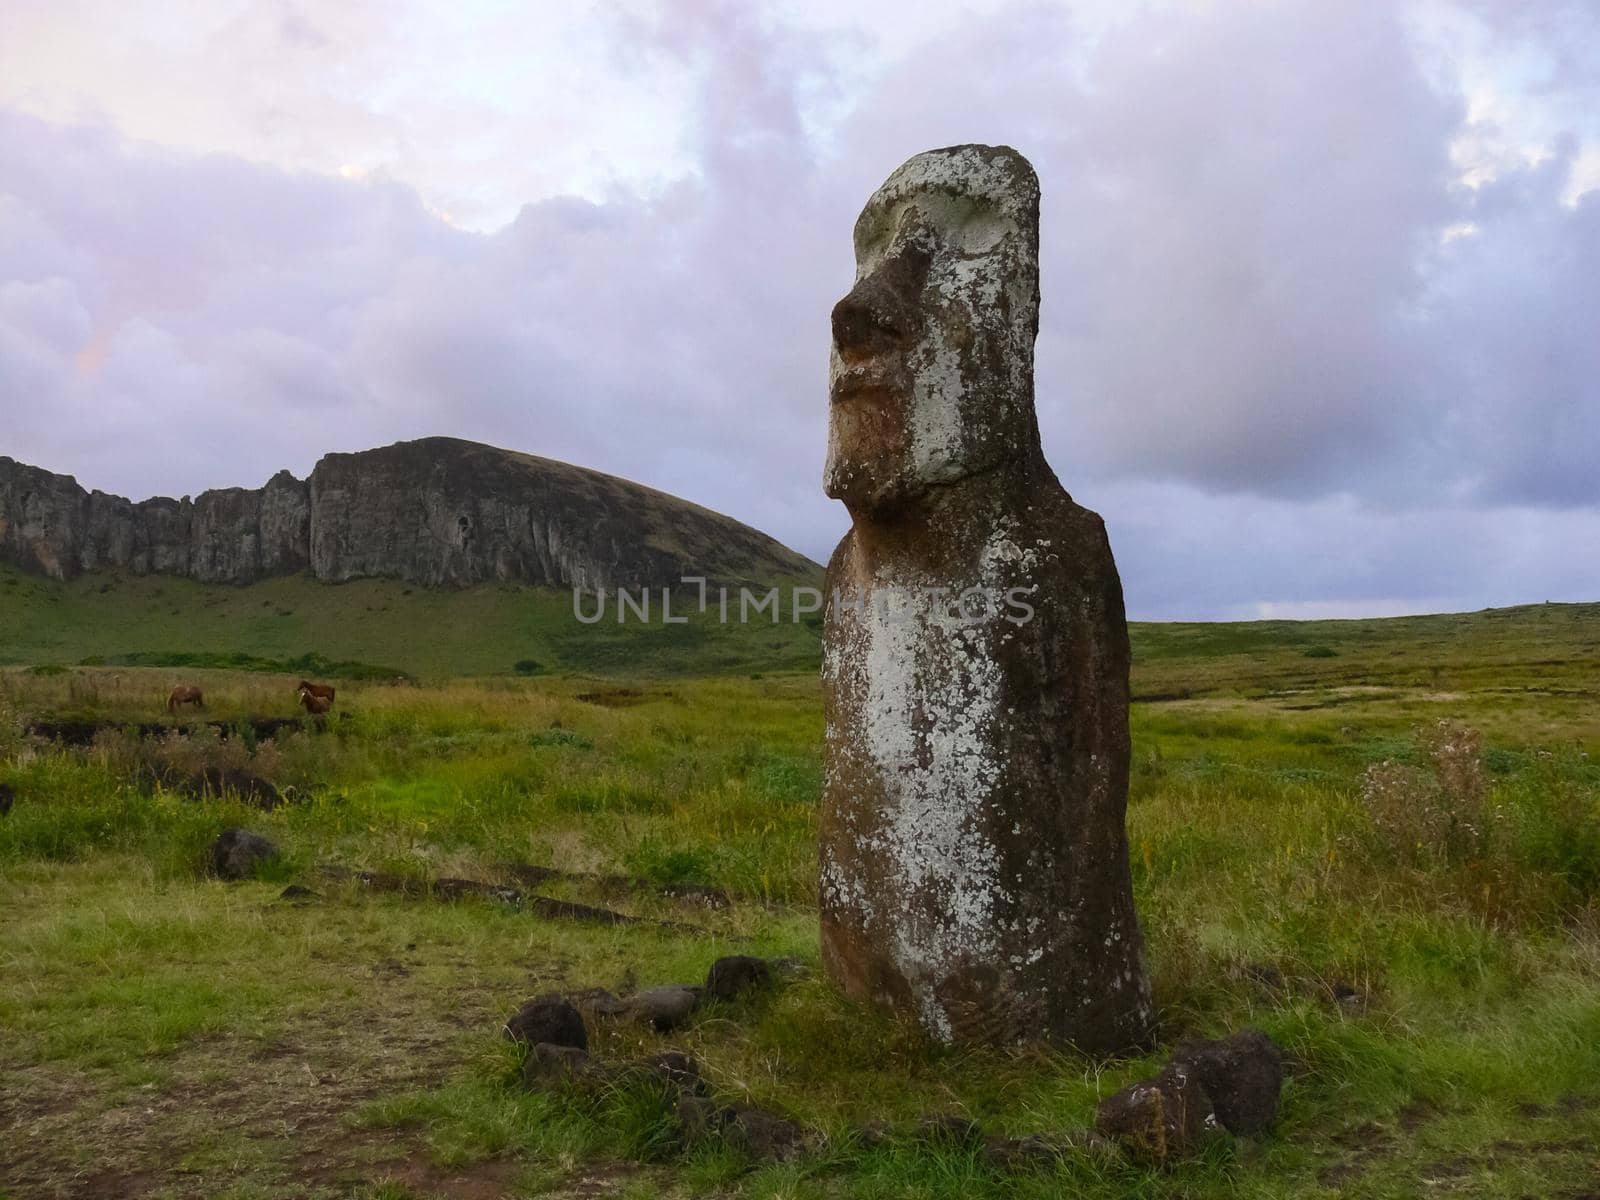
(384, 626)
(390, 626)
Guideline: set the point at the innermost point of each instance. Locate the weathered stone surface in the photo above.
(548, 1065)
(663, 1008)
(435, 511)
(597, 1002)
(974, 859)
(236, 853)
(763, 1135)
(730, 977)
(548, 1019)
(1162, 1118)
(674, 1068)
(949, 1129)
(1242, 1076)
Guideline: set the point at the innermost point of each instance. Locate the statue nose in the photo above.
(880, 313)
(865, 322)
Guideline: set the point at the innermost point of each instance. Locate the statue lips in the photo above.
(877, 378)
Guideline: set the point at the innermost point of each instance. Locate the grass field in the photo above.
(1414, 916)
(381, 627)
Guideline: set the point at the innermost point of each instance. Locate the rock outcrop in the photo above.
(974, 857)
(435, 512)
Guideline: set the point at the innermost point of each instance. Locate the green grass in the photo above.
(170, 1034)
(375, 628)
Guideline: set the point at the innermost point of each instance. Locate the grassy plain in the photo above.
(167, 1034)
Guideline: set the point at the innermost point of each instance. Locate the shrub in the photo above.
(1321, 652)
(1434, 814)
(527, 666)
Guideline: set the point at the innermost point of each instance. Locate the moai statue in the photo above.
(974, 854)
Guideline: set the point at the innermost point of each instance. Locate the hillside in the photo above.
(488, 629)
(433, 512)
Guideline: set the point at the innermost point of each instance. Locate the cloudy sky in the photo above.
(1321, 324)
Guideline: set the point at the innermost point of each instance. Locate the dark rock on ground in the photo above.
(597, 1002)
(549, 1019)
(567, 910)
(788, 968)
(247, 785)
(8, 796)
(236, 853)
(1162, 1118)
(677, 1069)
(1016, 1154)
(1242, 1076)
(763, 1135)
(1350, 999)
(697, 893)
(731, 977)
(949, 1129)
(298, 892)
(549, 1064)
(664, 1008)
(1266, 976)
(872, 1135)
(698, 1118)
(455, 889)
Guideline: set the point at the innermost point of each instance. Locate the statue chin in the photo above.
(875, 486)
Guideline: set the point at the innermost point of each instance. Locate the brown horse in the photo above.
(315, 705)
(183, 694)
(323, 691)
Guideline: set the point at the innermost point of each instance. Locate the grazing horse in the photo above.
(322, 691)
(316, 705)
(182, 694)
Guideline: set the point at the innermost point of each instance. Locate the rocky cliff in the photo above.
(435, 512)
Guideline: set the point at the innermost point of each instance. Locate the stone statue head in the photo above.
(931, 375)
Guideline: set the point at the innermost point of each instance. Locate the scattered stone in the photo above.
(872, 1135)
(237, 852)
(788, 968)
(1018, 1154)
(1350, 1000)
(246, 785)
(549, 1019)
(1242, 1076)
(949, 1129)
(1162, 1118)
(567, 910)
(1266, 976)
(597, 1002)
(697, 893)
(455, 889)
(8, 796)
(736, 974)
(664, 1008)
(938, 864)
(698, 1118)
(677, 1069)
(297, 892)
(548, 1065)
(763, 1135)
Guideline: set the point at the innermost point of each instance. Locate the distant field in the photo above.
(378, 628)
(1414, 917)
(379, 624)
